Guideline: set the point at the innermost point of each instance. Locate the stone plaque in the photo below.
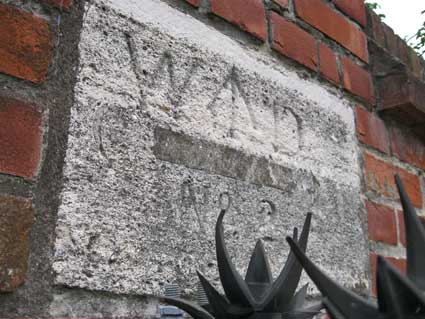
(172, 122)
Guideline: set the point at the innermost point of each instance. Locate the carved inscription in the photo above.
(229, 105)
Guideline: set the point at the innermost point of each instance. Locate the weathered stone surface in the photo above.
(16, 218)
(174, 120)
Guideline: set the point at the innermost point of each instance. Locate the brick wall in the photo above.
(37, 70)
(346, 45)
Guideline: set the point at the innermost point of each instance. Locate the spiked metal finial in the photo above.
(399, 297)
(257, 296)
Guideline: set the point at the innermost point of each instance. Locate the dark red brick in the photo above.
(328, 64)
(403, 53)
(402, 227)
(282, 3)
(400, 264)
(355, 9)
(333, 24)
(407, 147)
(382, 225)
(414, 62)
(195, 3)
(403, 97)
(376, 30)
(294, 42)
(357, 80)
(371, 130)
(25, 44)
(249, 15)
(380, 179)
(390, 40)
(63, 4)
(16, 218)
(20, 138)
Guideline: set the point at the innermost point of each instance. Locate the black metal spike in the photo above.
(194, 310)
(346, 302)
(299, 298)
(335, 314)
(397, 295)
(278, 298)
(235, 288)
(280, 295)
(258, 276)
(217, 302)
(388, 302)
(415, 239)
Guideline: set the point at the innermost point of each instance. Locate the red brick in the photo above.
(355, 9)
(402, 227)
(328, 66)
(195, 3)
(376, 30)
(294, 42)
(335, 25)
(407, 147)
(282, 3)
(371, 130)
(25, 44)
(16, 218)
(249, 15)
(63, 4)
(20, 138)
(403, 53)
(414, 62)
(357, 80)
(390, 40)
(382, 225)
(403, 97)
(380, 179)
(400, 264)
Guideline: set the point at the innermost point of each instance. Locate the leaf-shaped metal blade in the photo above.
(347, 303)
(306, 313)
(397, 296)
(388, 301)
(194, 310)
(415, 239)
(298, 300)
(234, 286)
(218, 303)
(283, 289)
(258, 276)
(335, 314)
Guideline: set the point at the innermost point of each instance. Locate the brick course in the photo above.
(357, 80)
(20, 138)
(249, 15)
(195, 3)
(328, 64)
(293, 42)
(380, 179)
(16, 218)
(382, 225)
(354, 9)
(25, 44)
(371, 130)
(321, 16)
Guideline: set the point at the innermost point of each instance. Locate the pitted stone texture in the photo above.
(174, 120)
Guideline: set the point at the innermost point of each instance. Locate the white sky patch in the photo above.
(404, 17)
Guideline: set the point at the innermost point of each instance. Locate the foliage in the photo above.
(374, 6)
(420, 38)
